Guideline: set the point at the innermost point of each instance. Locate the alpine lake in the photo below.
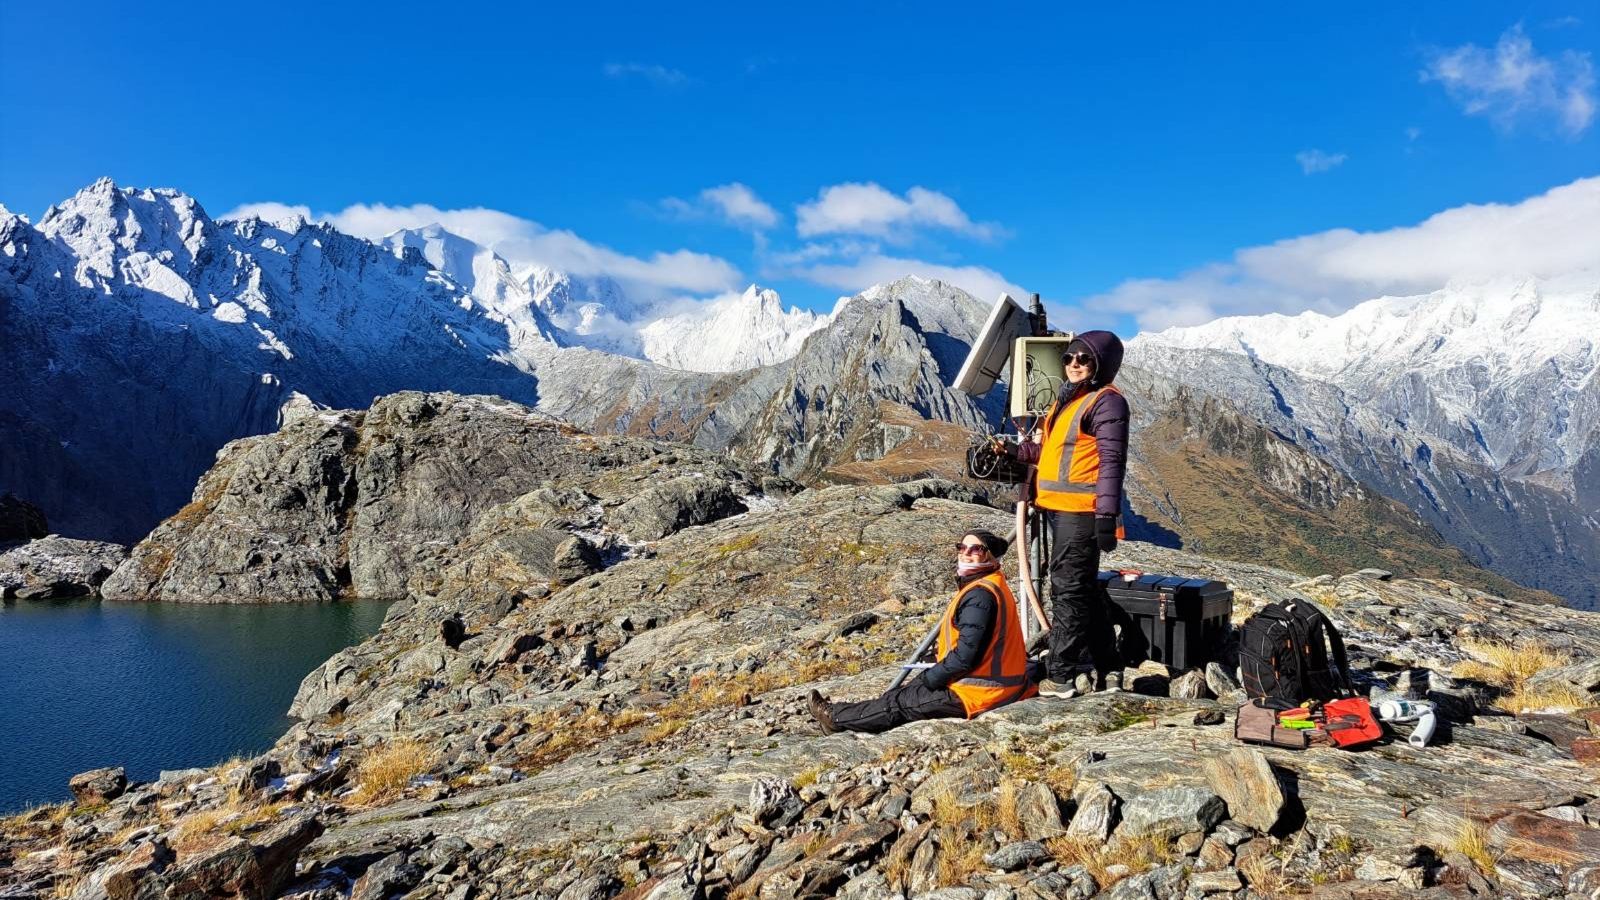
(152, 686)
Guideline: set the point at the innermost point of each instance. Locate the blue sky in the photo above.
(1110, 159)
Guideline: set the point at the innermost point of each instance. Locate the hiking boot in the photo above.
(1049, 687)
(1084, 682)
(1113, 682)
(822, 711)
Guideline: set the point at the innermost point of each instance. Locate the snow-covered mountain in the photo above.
(724, 334)
(1503, 370)
(1476, 406)
(141, 335)
(486, 277)
(740, 331)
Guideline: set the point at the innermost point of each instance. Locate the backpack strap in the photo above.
(1341, 662)
(1327, 678)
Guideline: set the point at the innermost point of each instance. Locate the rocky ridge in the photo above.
(639, 729)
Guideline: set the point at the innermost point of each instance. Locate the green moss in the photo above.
(1124, 715)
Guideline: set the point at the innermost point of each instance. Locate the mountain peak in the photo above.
(104, 224)
(766, 299)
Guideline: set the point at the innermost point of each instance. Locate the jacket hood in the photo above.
(1107, 349)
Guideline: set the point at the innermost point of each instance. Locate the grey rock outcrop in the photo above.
(429, 493)
(55, 568)
(663, 509)
(99, 786)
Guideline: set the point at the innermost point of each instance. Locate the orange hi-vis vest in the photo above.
(1069, 459)
(1001, 676)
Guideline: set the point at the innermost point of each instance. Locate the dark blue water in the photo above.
(152, 686)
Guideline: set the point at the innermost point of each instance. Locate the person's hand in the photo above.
(1105, 533)
(999, 447)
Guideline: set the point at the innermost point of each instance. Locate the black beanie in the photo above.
(997, 545)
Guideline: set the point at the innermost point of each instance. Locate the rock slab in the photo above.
(98, 786)
(1245, 780)
(1172, 811)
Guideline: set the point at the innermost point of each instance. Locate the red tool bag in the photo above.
(1350, 723)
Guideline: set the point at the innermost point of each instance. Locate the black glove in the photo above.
(1105, 533)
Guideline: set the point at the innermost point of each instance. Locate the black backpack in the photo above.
(1284, 654)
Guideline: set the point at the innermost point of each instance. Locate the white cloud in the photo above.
(269, 212)
(856, 275)
(1314, 161)
(1512, 83)
(733, 203)
(869, 209)
(1412, 133)
(680, 270)
(488, 227)
(654, 73)
(1545, 236)
(523, 242)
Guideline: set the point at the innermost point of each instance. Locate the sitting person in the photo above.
(982, 662)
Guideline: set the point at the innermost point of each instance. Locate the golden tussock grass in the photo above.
(897, 870)
(384, 772)
(1138, 854)
(959, 859)
(66, 884)
(43, 817)
(1506, 664)
(1264, 873)
(1560, 698)
(1060, 780)
(208, 826)
(1509, 666)
(948, 811)
(571, 733)
(198, 829)
(1472, 841)
(1006, 808)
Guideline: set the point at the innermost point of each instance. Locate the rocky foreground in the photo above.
(593, 687)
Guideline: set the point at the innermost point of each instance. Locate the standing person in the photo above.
(982, 662)
(1081, 460)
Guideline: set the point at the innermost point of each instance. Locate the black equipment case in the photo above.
(1185, 620)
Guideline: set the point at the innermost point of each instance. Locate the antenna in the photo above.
(1036, 317)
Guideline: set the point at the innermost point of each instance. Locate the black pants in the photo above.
(910, 702)
(1080, 626)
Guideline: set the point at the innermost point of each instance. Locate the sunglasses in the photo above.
(970, 548)
(1081, 359)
